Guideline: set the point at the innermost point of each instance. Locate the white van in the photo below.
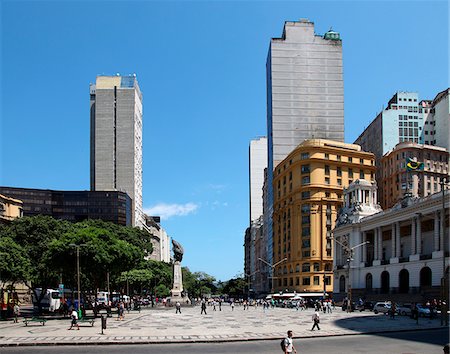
(50, 302)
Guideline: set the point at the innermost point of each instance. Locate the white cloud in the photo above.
(166, 211)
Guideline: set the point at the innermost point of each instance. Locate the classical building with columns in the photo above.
(407, 250)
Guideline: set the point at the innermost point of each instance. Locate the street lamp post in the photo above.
(349, 251)
(249, 281)
(444, 315)
(78, 272)
(272, 266)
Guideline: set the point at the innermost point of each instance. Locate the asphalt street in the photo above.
(416, 342)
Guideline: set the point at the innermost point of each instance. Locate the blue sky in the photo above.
(201, 68)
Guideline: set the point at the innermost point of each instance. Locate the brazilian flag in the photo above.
(413, 165)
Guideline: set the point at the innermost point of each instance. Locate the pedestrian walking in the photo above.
(316, 321)
(287, 344)
(329, 307)
(178, 307)
(220, 304)
(74, 320)
(16, 312)
(214, 305)
(232, 305)
(203, 307)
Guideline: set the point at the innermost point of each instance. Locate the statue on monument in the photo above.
(177, 251)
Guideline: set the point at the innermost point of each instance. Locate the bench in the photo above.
(34, 319)
(87, 320)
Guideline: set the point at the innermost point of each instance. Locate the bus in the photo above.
(49, 303)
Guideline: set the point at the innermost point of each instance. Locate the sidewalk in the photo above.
(164, 326)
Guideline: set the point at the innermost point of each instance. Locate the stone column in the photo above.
(397, 240)
(419, 236)
(413, 235)
(437, 239)
(364, 248)
(177, 281)
(380, 242)
(393, 239)
(375, 244)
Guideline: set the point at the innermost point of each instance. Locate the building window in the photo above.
(327, 170)
(327, 194)
(339, 172)
(338, 157)
(350, 173)
(306, 267)
(306, 243)
(306, 208)
(306, 231)
(306, 281)
(305, 219)
(297, 281)
(306, 195)
(306, 180)
(361, 161)
(316, 280)
(350, 159)
(327, 180)
(306, 254)
(297, 268)
(304, 155)
(316, 267)
(361, 174)
(339, 182)
(327, 156)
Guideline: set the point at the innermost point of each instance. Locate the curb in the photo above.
(214, 340)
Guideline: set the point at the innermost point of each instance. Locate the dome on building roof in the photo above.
(333, 35)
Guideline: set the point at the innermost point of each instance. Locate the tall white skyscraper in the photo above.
(116, 138)
(257, 164)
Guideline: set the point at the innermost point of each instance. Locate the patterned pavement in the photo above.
(164, 326)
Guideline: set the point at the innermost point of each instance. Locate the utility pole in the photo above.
(349, 252)
(444, 285)
(78, 274)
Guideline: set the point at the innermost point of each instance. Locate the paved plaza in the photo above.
(162, 325)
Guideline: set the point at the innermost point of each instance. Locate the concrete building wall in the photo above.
(307, 92)
(116, 138)
(441, 114)
(257, 164)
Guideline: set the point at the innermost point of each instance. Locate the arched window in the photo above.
(316, 267)
(342, 284)
(403, 281)
(306, 267)
(385, 282)
(369, 282)
(425, 277)
(297, 268)
(328, 267)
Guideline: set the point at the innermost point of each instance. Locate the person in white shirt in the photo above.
(74, 319)
(289, 344)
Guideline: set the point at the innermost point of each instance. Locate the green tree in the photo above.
(162, 291)
(34, 234)
(14, 265)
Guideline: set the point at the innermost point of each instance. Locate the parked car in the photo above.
(423, 310)
(367, 305)
(404, 310)
(383, 307)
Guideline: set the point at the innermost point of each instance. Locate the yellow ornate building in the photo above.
(308, 186)
(10, 209)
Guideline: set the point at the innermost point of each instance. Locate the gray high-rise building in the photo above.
(257, 165)
(116, 138)
(305, 88)
(305, 95)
